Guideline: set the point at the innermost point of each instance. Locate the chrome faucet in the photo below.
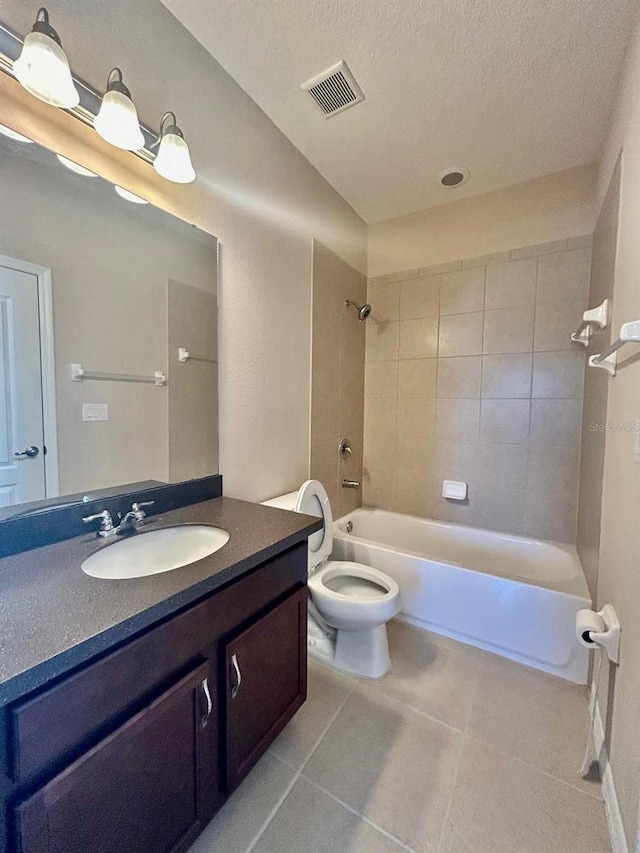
(129, 524)
(106, 523)
(134, 518)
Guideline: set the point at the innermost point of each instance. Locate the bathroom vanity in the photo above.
(130, 708)
(133, 709)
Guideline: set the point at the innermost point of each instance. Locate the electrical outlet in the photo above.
(95, 412)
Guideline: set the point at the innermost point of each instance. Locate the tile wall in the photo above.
(471, 375)
(337, 377)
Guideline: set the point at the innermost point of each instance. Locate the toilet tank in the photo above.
(287, 501)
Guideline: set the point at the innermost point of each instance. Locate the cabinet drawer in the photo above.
(55, 725)
(143, 788)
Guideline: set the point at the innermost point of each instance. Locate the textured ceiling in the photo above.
(512, 89)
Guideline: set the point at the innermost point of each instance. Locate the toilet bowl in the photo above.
(350, 603)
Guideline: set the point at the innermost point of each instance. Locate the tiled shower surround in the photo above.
(471, 375)
(337, 377)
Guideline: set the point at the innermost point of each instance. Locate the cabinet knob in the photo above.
(236, 686)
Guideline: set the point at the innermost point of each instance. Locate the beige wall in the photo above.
(337, 381)
(255, 192)
(537, 211)
(192, 386)
(596, 388)
(471, 375)
(619, 568)
(110, 262)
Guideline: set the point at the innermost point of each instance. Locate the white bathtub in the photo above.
(508, 594)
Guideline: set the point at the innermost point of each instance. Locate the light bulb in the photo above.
(173, 161)
(13, 134)
(76, 167)
(43, 68)
(129, 196)
(117, 121)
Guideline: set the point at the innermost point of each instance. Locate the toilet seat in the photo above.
(352, 594)
(358, 581)
(313, 499)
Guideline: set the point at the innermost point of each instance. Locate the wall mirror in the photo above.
(108, 335)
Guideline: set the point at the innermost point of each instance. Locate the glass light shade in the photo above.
(43, 70)
(76, 167)
(174, 161)
(129, 196)
(117, 121)
(13, 134)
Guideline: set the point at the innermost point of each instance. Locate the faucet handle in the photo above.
(105, 515)
(136, 508)
(106, 525)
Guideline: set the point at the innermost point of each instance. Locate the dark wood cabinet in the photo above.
(266, 668)
(136, 751)
(142, 789)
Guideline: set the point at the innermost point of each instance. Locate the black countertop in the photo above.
(53, 617)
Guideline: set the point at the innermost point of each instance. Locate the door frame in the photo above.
(47, 367)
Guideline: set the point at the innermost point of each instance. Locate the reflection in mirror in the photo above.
(97, 295)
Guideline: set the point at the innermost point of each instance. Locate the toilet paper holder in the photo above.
(600, 628)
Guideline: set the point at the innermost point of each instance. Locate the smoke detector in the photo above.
(454, 177)
(334, 90)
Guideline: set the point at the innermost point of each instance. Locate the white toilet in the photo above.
(350, 603)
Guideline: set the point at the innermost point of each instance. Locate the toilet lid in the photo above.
(314, 500)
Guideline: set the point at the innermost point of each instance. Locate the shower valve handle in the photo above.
(344, 448)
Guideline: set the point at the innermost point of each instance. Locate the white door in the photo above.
(22, 464)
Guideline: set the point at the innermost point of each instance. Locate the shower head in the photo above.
(363, 310)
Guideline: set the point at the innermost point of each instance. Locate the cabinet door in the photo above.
(141, 790)
(266, 675)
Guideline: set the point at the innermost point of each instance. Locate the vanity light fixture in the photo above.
(129, 196)
(13, 134)
(173, 161)
(117, 121)
(76, 167)
(43, 68)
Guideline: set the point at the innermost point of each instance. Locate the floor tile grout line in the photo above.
(358, 814)
(296, 776)
(493, 665)
(326, 730)
(597, 797)
(459, 761)
(370, 690)
(414, 709)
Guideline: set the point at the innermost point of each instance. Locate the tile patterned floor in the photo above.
(455, 751)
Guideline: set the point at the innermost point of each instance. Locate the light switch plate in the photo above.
(636, 442)
(95, 412)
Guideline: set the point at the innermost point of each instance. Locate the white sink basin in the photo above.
(155, 551)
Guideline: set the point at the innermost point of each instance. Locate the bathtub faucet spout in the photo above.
(351, 484)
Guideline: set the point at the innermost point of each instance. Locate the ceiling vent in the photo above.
(334, 90)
